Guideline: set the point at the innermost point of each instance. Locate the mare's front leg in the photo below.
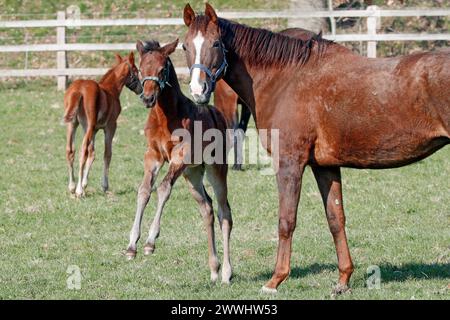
(329, 182)
(289, 178)
(152, 164)
(176, 168)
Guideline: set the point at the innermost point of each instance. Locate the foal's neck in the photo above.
(112, 83)
(171, 99)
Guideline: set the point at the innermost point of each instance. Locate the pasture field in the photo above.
(398, 220)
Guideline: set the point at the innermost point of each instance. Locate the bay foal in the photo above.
(331, 107)
(171, 112)
(96, 105)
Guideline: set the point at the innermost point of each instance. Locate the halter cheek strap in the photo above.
(161, 82)
(213, 76)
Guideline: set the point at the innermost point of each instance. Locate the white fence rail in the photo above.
(373, 15)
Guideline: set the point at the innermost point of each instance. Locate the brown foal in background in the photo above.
(96, 105)
(172, 111)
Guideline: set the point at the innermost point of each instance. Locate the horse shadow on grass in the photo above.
(389, 272)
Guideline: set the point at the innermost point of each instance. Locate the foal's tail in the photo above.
(72, 101)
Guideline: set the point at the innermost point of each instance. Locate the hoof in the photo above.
(214, 277)
(149, 249)
(267, 290)
(130, 254)
(105, 188)
(79, 195)
(72, 188)
(340, 289)
(226, 281)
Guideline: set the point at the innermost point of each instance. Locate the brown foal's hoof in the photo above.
(130, 254)
(340, 289)
(149, 249)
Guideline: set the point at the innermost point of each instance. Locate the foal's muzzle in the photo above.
(149, 101)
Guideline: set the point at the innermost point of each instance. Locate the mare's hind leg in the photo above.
(176, 168)
(70, 152)
(87, 140)
(217, 176)
(152, 164)
(329, 182)
(194, 178)
(109, 135)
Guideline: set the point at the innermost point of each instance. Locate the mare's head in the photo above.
(205, 52)
(154, 68)
(129, 72)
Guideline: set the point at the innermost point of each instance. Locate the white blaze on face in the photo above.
(196, 84)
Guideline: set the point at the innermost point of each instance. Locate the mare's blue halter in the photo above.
(213, 76)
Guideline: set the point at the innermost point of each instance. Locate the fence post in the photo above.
(373, 23)
(61, 61)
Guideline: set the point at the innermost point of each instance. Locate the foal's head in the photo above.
(129, 72)
(205, 52)
(154, 68)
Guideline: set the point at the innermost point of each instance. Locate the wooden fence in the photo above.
(372, 13)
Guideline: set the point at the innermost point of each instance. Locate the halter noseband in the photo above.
(213, 76)
(161, 82)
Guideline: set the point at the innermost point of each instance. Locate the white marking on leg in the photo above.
(195, 85)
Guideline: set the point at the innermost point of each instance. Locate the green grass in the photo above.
(397, 219)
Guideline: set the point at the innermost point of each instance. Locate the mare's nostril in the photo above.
(205, 87)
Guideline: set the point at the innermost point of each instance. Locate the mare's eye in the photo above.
(216, 44)
(183, 47)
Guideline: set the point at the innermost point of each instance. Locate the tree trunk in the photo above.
(312, 24)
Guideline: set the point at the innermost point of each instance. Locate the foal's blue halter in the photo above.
(213, 76)
(161, 82)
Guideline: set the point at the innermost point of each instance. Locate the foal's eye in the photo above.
(183, 47)
(216, 44)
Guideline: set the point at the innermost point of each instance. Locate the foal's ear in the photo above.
(140, 47)
(169, 48)
(131, 57)
(118, 58)
(211, 13)
(189, 15)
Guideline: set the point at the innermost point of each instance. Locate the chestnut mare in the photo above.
(333, 109)
(226, 100)
(96, 106)
(170, 112)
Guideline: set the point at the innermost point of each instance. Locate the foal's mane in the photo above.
(263, 48)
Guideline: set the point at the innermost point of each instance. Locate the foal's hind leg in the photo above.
(194, 178)
(329, 182)
(109, 135)
(89, 162)
(217, 176)
(70, 152)
(88, 137)
(176, 168)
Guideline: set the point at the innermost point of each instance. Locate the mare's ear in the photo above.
(211, 13)
(169, 48)
(140, 47)
(188, 15)
(118, 58)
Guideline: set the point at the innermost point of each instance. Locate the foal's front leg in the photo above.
(152, 164)
(109, 135)
(176, 168)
